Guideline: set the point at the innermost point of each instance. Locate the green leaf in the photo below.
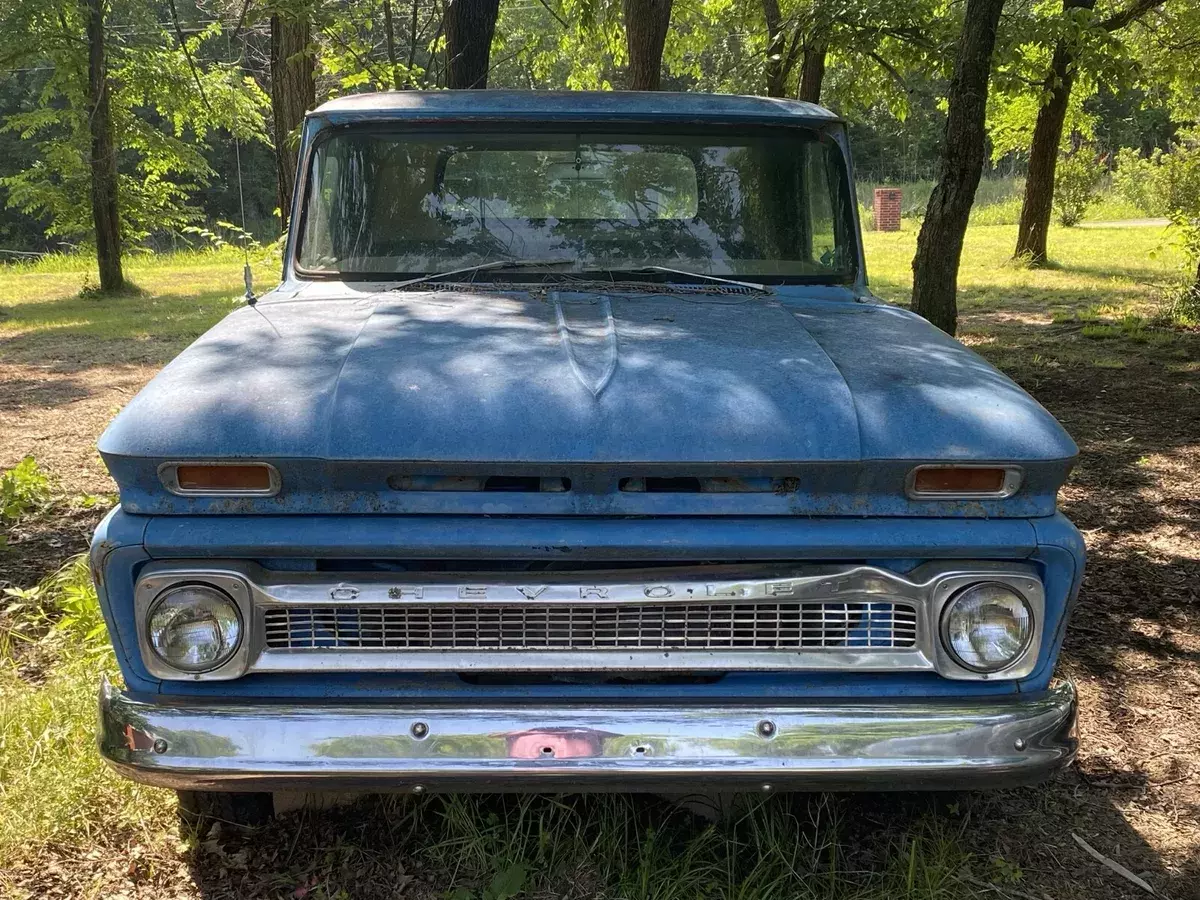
(508, 882)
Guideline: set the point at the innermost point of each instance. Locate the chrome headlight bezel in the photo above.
(1031, 592)
(155, 586)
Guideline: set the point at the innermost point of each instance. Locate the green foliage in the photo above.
(1107, 60)
(1076, 178)
(62, 610)
(24, 488)
(222, 235)
(576, 44)
(1169, 184)
(1134, 180)
(1163, 183)
(164, 110)
(54, 787)
(74, 607)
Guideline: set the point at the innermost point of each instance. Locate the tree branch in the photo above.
(363, 62)
(891, 70)
(237, 30)
(557, 18)
(188, 55)
(1134, 11)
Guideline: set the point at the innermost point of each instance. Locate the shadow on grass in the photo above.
(638, 846)
(130, 289)
(77, 332)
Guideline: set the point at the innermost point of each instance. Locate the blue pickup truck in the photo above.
(574, 453)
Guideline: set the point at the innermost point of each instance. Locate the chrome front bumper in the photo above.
(896, 745)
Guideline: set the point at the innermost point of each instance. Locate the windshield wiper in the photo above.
(746, 284)
(479, 267)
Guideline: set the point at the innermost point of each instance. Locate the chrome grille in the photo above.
(696, 626)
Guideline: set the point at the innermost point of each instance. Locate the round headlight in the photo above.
(194, 627)
(986, 627)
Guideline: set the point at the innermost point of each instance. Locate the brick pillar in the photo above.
(887, 209)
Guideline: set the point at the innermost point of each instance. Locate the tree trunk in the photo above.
(1043, 151)
(646, 24)
(960, 163)
(293, 93)
(470, 26)
(779, 60)
(390, 33)
(104, 156)
(412, 45)
(812, 73)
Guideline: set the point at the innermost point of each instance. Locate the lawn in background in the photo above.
(997, 201)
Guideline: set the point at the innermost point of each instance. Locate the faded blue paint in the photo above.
(575, 538)
(843, 396)
(1051, 543)
(647, 107)
(343, 385)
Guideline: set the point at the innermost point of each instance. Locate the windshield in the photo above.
(774, 206)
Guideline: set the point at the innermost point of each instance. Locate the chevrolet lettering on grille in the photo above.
(514, 592)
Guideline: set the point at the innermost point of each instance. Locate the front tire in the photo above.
(242, 809)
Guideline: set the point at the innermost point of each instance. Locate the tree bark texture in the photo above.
(293, 93)
(646, 24)
(470, 26)
(390, 33)
(781, 53)
(1037, 206)
(960, 163)
(812, 73)
(105, 214)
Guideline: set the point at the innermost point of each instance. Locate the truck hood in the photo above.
(445, 379)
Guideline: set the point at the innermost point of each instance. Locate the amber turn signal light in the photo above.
(236, 478)
(963, 481)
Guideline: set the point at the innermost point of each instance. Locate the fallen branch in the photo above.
(1114, 865)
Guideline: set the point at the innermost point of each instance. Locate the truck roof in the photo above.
(641, 106)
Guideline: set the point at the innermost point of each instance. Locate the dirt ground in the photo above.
(1133, 646)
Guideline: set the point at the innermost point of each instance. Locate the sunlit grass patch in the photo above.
(53, 785)
(59, 277)
(47, 314)
(1111, 272)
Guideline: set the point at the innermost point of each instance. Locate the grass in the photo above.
(53, 786)
(47, 308)
(998, 202)
(1110, 272)
(1096, 309)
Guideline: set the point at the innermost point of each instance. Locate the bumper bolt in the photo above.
(1019, 743)
(418, 788)
(160, 746)
(766, 788)
(766, 728)
(419, 730)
